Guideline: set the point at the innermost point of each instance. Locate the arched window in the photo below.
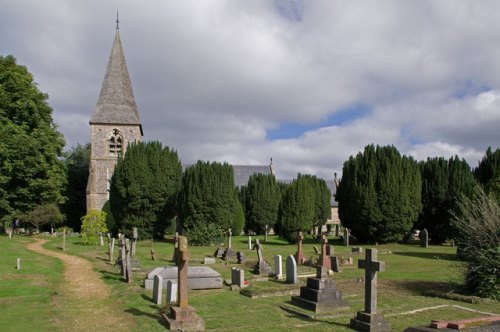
(115, 142)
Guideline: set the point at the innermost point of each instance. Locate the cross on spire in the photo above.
(117, 21)
(371, 267)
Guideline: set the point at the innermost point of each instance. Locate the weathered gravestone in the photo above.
(320, 295)
(238, 277)
(128, 263)
(64, 240)
(346, 236)
(337, 230)
(324, 259)
(291, 270)
(157, 289)
(229, 252)
(424, 238)
(357, 250)
(171, 296)
(199, 277)
(153, 254)
(18, 264)
(135, 236)
(299, 255)
(249, 243)
(278, 267)
(123, 256)
(183, 317)
(335, 261)
(262, 267)
(370, 320)
(240, 256)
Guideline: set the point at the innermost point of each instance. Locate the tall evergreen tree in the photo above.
(31, 170)
(145, 188)
(379, 194)
(207, 202)
(321, 196)
(263, 197)
(488, 166)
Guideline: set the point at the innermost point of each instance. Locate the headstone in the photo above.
(10, 234)
(266, 228)
(171, 292)
(278, 267)
(18, 264)
(424, 238)
(299, 255)
(369, 319)
(238, 277)
(357, 250)
(110, 252)
(123, 256)
(101, 240)
(157, 289)
(335, 263)
(183, 316)
(128, 263)
(153, 254)
(208, 260)
(199, 277)
(229, 252)
(321, 272)
(240, 256)
(249, 243)
(64, 240)
(135, 236)
(330, 250)
(262, 267)
(324, 259)
(346, 236)
(112, 248)
(291, 270)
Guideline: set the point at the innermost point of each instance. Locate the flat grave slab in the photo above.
(199, 277)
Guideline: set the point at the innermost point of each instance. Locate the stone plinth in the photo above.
(320, 295)
(199, 277)
(370, 322)
(184, 319)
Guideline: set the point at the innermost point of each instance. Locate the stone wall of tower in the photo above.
(102, 162)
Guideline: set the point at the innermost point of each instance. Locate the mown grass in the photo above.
(410, 270)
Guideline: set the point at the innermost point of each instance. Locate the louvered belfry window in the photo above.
(115, 143)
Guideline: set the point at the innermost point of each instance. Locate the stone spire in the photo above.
(116, 103)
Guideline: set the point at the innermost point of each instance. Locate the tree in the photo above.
(488, 166)
(31, 170)
(263, 198)
(77, 164)
(322, 197)
(442, 183)
(379, 194)
(207, 202)
(297, 209)
(477, 228)
(47, 214)
(92, 224)
(145, 188)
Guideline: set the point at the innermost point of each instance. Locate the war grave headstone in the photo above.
(424, 238)
(229, 252)
(240, 256)
(171, 294)
(157, 289)
(346, 236)
(369, 319)
(320, 294)
(299, 255)
(291, 270)
(135, 237)
(278, 267)
(324, 259)
(183, 317)
(261, 268)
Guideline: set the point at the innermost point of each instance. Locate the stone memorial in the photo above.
(128, 262)
(157, 289)
(347, 234)
(238, 277)
(18, 264)
(240, 256)
(357, 250)
(171, 296)
(229, 252)
(209, 261)
(299, 255)
(123, 256)
(337, 230)
(291, 270)
(424, 238)
(369, 319)
(278, 267)
(153, 254)
(219, 253)
(199, 277)
(135, 236)
(335, 262)
(324, 259)
(262, 268)
(183, 317)
(249, 243)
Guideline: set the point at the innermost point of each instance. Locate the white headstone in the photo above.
(101, 239)
(171, 291)
(291, 270)
(278, 267)
(250, 243)
(157, 289)
(18, 264)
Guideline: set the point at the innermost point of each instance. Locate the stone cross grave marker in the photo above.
(278, 267)
(324, 259)
(346, 237)
(266, 229)
(182, 276)
(299, 255)
(291, 270)
(135, 236)
(424, 238)
(157, 289)
(258, 248)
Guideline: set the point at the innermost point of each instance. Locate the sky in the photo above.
(306, 83)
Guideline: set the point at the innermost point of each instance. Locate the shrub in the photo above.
(92, 224)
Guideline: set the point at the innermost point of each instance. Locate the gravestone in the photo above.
(238, 277)
(424, 238)
(171, 296)
(183, 317)
(291, 270)
(229, 252)
(209, 261)
(153, 254)
(335, 261)
(266, 228)
(299, 255)
(64, 240)
(18, 264)
(262, 268)
(324, 259)
(278, 267)
(249, 243)
(240, 256)
(219, 253)
(346, 236)
(199, 277)
(357, 250)
(110, 252)
(101, 239)
(157, 289)
(369, 319)
(337, 230)
(123, 256)
(135, 236)
(330, 250)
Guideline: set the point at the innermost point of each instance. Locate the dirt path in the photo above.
(82, 299)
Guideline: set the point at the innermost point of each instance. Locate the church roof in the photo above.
(243, 172)
(116, 103)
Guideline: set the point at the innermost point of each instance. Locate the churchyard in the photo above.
(34, 294)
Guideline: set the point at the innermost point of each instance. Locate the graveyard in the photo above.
(415, 284)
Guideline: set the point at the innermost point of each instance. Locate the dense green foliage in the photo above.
(93, 223)
(262, 200)
(477, 225)
(239, 217)
(443, 182)
(321, 197)
(488, 167)
(145, 188)
(297, 209)
(77, 164)
(207, 202)
(41, 215)
(31, 172)
(379, 194)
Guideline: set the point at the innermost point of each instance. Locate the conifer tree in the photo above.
(379, 194)
(321, 197)
(488, 166)
(263, 198)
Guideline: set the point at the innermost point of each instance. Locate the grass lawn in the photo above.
(410, 270)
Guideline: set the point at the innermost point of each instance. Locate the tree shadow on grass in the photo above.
(418, 287)
(428, 255)
(147, 298)
(137, 312)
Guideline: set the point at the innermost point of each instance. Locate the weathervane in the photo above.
(117, 21)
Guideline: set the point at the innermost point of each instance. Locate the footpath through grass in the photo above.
(410, 270)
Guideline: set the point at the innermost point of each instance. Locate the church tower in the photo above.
(114, 124)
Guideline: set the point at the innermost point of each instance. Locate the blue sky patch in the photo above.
(470, 88)
(292, 10)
